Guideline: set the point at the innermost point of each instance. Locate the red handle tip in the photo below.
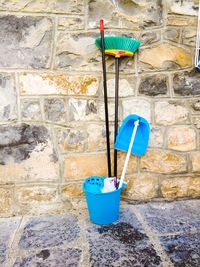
(101, 25)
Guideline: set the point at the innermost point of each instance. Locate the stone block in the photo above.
(131, 15)
(194, 105)
(21, 146)
(189, 36)
(82, 166)
(82, 110)
(172, 34)
(156, 137)
(55, 110)
(153, 85)
(181, 21)
(111, 111)
(182, 138)
(187, 83)
(72, 190)
(97, 137)
(140, 107)
(183, 7)
(164, 57)
(160, 161)
(196, 122)
(195, 160)
(30, 109)
(58, 84)
(125, 87)
(8, 103)
(141, 187)
(74, 140)
(6, 200)
(181, 187)
(169, 112)
(77, 52)
(148, 38)
(107, 8)
(36, 194)
(25, 41)
(71, 23)
(132, 165)
(53, 6)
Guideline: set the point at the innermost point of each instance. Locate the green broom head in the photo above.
(119, 46)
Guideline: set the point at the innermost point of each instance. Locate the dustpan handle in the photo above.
(136, 124)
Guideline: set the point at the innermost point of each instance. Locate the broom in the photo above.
(118, 46)
(102, 43)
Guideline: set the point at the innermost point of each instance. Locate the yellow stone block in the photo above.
(35, 194)
(181, 187)
(182, 138)
(141, 187)
(195, 160)
(6, 200)
(82, 166)
(160, 161)
(160, 55)
(72, 191)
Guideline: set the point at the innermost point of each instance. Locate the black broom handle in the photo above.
(105, 97)
(116, 111)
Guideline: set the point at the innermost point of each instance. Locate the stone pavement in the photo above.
(153, 234)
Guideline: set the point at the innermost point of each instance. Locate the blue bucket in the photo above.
(103, 208)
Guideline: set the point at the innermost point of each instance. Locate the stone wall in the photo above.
(52, 132)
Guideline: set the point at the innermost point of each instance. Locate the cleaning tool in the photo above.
(94, 184)
(141, 138)
(136, 129)
(109, 185)
(105, 96)
(197, 54)
(103, 208)
(118, 47)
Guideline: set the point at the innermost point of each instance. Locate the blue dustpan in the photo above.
(141, 138)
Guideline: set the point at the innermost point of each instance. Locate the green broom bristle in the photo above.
(119, 43)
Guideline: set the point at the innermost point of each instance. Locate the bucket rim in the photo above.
(107, 193)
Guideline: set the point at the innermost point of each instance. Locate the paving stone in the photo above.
(121, 244)
(180, 216)
(183, 250)
(45, 231)
(7, 229)
(51, 258)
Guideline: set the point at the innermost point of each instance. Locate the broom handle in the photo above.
(105, 97)
(136, 124)
(116, 111)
